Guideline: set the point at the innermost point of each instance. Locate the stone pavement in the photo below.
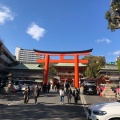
(47, 108)
(10, 98)
(52, 98)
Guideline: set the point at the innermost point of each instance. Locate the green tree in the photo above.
(113, 15)
(118, 65)
(94, 65)
(52, 71)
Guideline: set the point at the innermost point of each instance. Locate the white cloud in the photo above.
(5, 14)
(35, 31)
(105, 40)
(116, 52)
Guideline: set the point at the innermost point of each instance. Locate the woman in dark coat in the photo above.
(69, 95)
(26, 94)
(76, 96)
(35, 93)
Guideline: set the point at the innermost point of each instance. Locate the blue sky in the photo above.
(58, 25)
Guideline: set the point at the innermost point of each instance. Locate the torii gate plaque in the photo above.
(76, 60)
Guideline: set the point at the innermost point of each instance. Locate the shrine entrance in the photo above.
(76, 61)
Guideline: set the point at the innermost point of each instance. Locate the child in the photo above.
(61, 96)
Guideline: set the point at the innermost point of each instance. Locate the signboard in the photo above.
(112, 63)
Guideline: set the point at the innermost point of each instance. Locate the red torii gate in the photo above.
(76, 60)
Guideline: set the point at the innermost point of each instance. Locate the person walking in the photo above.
(69, 95)
(76, 96)
(35, 93)
(48, 87)
(26, 95)
(67, 85)
(61, 96)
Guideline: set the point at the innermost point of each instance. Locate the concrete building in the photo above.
(26, 56)
(6, 58)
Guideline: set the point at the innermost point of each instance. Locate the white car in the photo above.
(24, 86)
(104, 111)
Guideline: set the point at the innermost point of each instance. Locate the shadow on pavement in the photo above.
(11, 97)
(43, 111)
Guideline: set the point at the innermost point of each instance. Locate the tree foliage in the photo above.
(94, 65)
(118, 65)
(52, 71)
(113, 15)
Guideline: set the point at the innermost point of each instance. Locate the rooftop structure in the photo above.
(27, 71)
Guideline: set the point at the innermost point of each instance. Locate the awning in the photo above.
(39, 80)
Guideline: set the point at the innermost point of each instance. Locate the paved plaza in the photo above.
(48, 107)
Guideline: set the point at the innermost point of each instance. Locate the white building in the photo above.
(27, 56)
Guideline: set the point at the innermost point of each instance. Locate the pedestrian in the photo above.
(26, 95)
(35, 93)
(48, 87)
(76, 96)
(67, 85)
(39, 89)
(61, 96)
(69, 95)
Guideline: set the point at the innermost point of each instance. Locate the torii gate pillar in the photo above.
(76, 71)
(46, 68)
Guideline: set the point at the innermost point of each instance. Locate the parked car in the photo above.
(27, 83)
(89, 87)
(17, 84)
(104, 111)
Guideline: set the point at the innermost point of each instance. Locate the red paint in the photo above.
(76, 61)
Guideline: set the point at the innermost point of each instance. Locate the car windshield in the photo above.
(26, 82)
(15, 82)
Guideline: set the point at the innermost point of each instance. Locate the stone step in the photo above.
(110, 96)
(108, 91)
(107, 87)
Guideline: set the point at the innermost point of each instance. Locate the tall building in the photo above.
(27, 56)
(6, 58)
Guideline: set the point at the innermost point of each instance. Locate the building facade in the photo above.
(27, 56)
(27, 71)
(6, 58)
(109, 73)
